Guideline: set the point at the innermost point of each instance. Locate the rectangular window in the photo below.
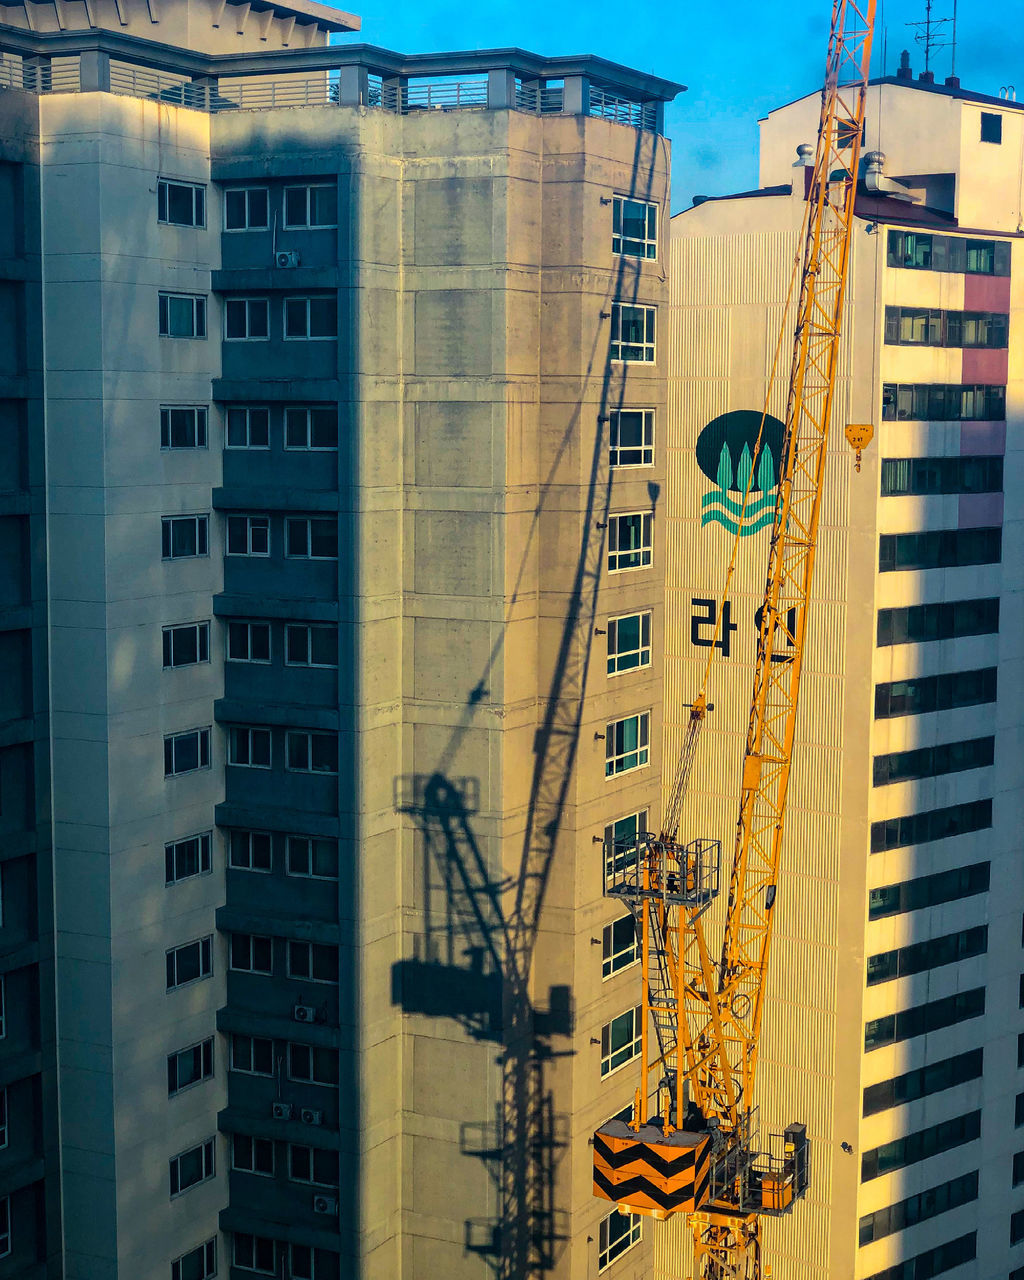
(935, 693)
(308, 752)
(922, 1018)
(626, 744)
(249, 850)
(252, 1155)
(1018, 1168)
(184, 536)
(936, 1077)
(249, 747)
(189, 1066)
(620, 1040)
(620, 844)
(619, 946)
(254, 1253)
(617, 1233)
(312, 206)
(5, 1226)
(933, 762)
(919, 1208)
(933, 1262)
(191, 1167)
(921, 623)
(248, 642)
(4, 1135)
(3, 1007)
(310, 645)
(246, 319)
(928, 891)
(182, 204)
(939, 549)
(246, 209)
(927, 327)
(631, 437)
(933, 954)
(312, 960)
(634, 227)
(182, 315)
(248, 427)
(630, 541)
(311, 538)
(248, 536)
(1018, 1111)
(313, 857)
(933, 824)
(925, 252)
(189, 962)
(315, 317)
(186, 752)
(186, 858)
(198, 1264)
(1016, 1219)
(633, 333)
(313, 1165)
(923, 476)
(311, 428)
(252, 1055)
(1020, 1050)
(183, 426)
(312, 1065)
(991, 127)
(629, 642)
(251, 953)
(943, 402)
(186, 645)
(920, 1145)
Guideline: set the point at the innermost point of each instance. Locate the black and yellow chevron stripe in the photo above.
(651, 1172)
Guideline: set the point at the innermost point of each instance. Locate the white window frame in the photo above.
(609, 1251)
(292, 414)
(295, 944)
(240, 850)
(646, 350)
(642, 750)
(250, 1070)
(246, 742)
(204, 857)
(198, 190)
(647, 243)
(311, 1181)
(237, 1158)
(200, 426)
(308, 299)
(250, 939)
(249, 224)
(291, 632)
(198, 312)
(309, 188)
(643, 651)
(208, 1147)
(618, 556)
(202, 735)
(205, 945)
(204, 1075)
(248, 410)
(310, 1273)
(631, 1048)
(202, 644)
(254, 1269)
(309, 842)
(202, 536)
(248, 304)
(209, 1251)
(612, 962)
(616, 449)
(292, 521)
(292, 735)
(253, 524)
(614, 863)
(234, 632)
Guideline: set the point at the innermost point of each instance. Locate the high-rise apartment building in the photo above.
(894, 1025)
(332, 392)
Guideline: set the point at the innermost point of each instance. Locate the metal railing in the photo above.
(142, 82)
(436, 95)
(611, 106)
(316, 89)
(53, 75)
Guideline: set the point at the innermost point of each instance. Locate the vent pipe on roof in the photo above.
(952, 82)
(927, 77)
(903, 71)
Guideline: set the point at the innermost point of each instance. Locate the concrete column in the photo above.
(94, 71)
(501, 89)
(353, 87)
(202, 93)
(391, 92)
(36, 74)
(576, 96)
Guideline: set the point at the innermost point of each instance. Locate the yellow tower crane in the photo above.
(693, 1145)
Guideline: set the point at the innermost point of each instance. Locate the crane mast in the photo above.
(697, 1153)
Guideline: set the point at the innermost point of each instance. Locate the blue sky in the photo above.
(738, 59)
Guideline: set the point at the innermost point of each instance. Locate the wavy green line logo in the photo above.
(725, 453)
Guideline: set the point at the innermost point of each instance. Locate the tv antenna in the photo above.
(931, 32)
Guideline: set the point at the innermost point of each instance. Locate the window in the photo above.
(315, 317)
(304, 1262)
(186, 858)
(619, 946)
(313, 428)
(1016, 1219)
(933, 762)
(939, 549)
(902, 476)
(926, 252)
(620, 1040)
(183, 204)
(933, 824)
(631, 437)
(1018, 1111)
(1020, 1050)
(313, 206)
(935, 693)
(310, 856)
(919, 1208)
(249, 850)
(308, 752)
(306, 645)
(933, 1262)
(191, 1167)
(927, 327)
(248, 642)
(3, 1118)
(313, 1165)
(198, 1264)
(182, 426)
(629, 642)
(246, 209)
(1018, 1168)
(246, 318)
(933, 954)
(251, 953)
(626, 744)
(255, 1253)
(248, 536)
(630, 541)
(943, 402)
(187, 645)
(922, 1018)
(252, 1155)
(182, 315)
(252, 1055)
(190, 962)
(312, 1065)
(312, 960)
(991, 127)
(936, 1077)
(186, 752)
(189, 1066)
(184, 536)
(928, 891)
(311, 538)
(632, 339)
(919, 624)
(3, 1007)
(248, 428)
(249, 747)
(634, 227)
(5, 1226)
(921, 1145)
(617, 1233)
(620, 844)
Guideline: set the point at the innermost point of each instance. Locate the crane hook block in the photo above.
(858, 436)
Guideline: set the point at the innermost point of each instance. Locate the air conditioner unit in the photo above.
(304, 1013)
(282, 1111)
(286, 258)
(325, 1204)
(309, 1116)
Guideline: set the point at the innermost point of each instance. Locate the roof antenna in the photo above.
(929, 33)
